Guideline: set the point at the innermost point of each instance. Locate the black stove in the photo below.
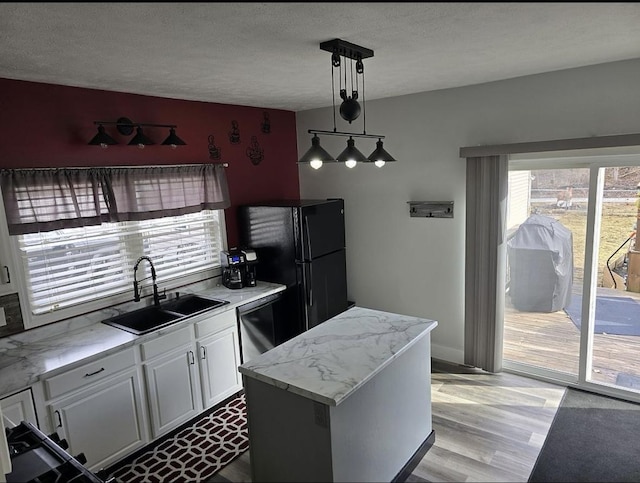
(38, 458)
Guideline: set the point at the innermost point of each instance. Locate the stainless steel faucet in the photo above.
(136, 292)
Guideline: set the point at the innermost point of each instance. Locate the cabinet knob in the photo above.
(6, 269)
(192, 358)
(204, 352)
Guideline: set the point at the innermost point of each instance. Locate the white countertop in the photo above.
(332, 360)
(27, 357)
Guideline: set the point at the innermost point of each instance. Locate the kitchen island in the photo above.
(348, 400)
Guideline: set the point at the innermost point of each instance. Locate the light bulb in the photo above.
(379, 163)
(141, 146)
(316, 163)
(104, 145)
(174, 146)
(350, 163)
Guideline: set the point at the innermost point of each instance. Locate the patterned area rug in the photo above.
(193, 453)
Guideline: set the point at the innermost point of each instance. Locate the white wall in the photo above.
(415, 266)
(519, 198)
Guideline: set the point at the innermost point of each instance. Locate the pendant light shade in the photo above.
(140, 139)
(316, 155)
(102, 139)
(379, 156)
(351, 155)
(173, 140)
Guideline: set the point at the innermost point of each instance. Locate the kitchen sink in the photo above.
(191, 304)
(144, 320)
(148, 319)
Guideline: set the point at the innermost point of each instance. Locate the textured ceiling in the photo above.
(268, 55)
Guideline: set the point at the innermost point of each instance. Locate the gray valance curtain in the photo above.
(486, 212)
(38, 200)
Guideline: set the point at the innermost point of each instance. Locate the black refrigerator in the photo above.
(300, 244)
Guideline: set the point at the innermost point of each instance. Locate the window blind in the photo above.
(72, 266)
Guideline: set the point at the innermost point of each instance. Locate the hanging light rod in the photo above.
(346, 134)
(134, 124)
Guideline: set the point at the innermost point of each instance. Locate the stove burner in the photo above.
(37, 458)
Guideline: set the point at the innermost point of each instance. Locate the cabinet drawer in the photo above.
(216, 323)
(166, 343)
(89, 373)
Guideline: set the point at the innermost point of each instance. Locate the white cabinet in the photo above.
(219, 360)
(219, 355)
(17, 408)
(191, 369)
(98, 409)
(171, 378)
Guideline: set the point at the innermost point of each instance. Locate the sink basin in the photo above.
(191, 304)
(144, 320)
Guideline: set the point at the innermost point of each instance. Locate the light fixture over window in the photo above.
(126, 127)
(350, 87)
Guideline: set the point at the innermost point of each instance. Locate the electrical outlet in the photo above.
(3, 319)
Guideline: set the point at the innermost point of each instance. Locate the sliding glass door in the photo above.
(572, 305)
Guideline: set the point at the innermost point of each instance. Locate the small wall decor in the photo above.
(234, 134)
(214, 151)
(430, 209)
(255, 152)
(266, 123)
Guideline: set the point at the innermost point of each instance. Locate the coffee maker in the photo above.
(233, 265)
(251, 261)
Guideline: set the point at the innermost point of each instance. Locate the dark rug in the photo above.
(194, 453)
(592, 438)
(614, 315)
(628, 380)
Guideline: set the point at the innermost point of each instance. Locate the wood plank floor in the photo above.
(552, 341)
(488, 427)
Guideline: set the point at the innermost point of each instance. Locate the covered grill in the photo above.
(540, 265)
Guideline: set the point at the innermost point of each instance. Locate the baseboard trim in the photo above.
(410, 465)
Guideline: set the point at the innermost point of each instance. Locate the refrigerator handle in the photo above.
(310, 285)
(306, 229)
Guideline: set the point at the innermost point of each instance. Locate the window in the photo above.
(74, 266)
(78, 232)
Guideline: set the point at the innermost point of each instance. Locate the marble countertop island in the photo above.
(27, 357)
(332, 360)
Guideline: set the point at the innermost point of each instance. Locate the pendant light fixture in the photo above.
(351, 86)
(126, 127)
(140, 139)
(173, 140)
(102, 139)
(316, 156)
(351, 155)
(379, 157)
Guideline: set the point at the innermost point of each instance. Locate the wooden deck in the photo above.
(552, 341)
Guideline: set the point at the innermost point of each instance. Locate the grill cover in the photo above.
(540, 265)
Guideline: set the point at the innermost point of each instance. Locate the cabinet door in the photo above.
(103, 421)
(171, 390)
(17, 408)
(219, 360)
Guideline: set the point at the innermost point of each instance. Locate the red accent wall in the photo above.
(48, 125)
